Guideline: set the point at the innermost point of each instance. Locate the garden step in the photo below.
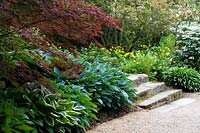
(149, 89)
(161, 99)
(138, 79)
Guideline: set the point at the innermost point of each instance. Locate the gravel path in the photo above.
(184, 119)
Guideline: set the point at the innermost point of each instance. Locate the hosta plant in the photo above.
(108, 86)
(183, 78)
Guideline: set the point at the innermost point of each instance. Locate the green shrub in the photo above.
(152, 61)
(108, 86)
(143, 62)
(188, 33)
(101, 54)
(143, 22)
(164, 55)
(183, 78)
(188, 42)
(189, 56)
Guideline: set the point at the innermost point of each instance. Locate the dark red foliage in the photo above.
(60, 20)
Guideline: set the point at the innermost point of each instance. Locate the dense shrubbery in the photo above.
(183, 78)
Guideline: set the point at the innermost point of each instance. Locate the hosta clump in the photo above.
(109, 87)
(76, 93)
(52, 113)
(39, 110)
(189, 56)
(183, 78)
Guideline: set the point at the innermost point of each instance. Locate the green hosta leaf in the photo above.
(79, 108)
(24, 127)
(60, 107)
(22, 116)
(29, 122)
(50, 130)
(62, 113)
(39, 122)
(6, 129)
(64, 121)
(73, 113)
(57, 71)
(50, 96)
(27, 59)
(93, 116)
(49, 120)
(100, 101)
(55, 115)
(115, 88)
(35, 131)
(101, 67)
(124, 94)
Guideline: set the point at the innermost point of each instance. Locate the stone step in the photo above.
(138, 79)
(173, 105)
(161, 99)
(149, 89)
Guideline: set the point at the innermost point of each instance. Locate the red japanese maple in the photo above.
(60, 20)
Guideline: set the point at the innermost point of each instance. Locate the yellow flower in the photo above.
(126, 55)
(155, 54)
(103, 49)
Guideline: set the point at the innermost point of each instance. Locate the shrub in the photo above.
(188, 33)
(183, 78)
(143, 62)
(188, 42)
(108, 86)
(152, 61)
(189, 56)
(101, 54)
(164, 55)
(143, 22)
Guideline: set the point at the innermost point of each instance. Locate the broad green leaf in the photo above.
(49, 120)
(24, 127)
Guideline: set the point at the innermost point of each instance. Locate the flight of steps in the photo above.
(153, 94)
